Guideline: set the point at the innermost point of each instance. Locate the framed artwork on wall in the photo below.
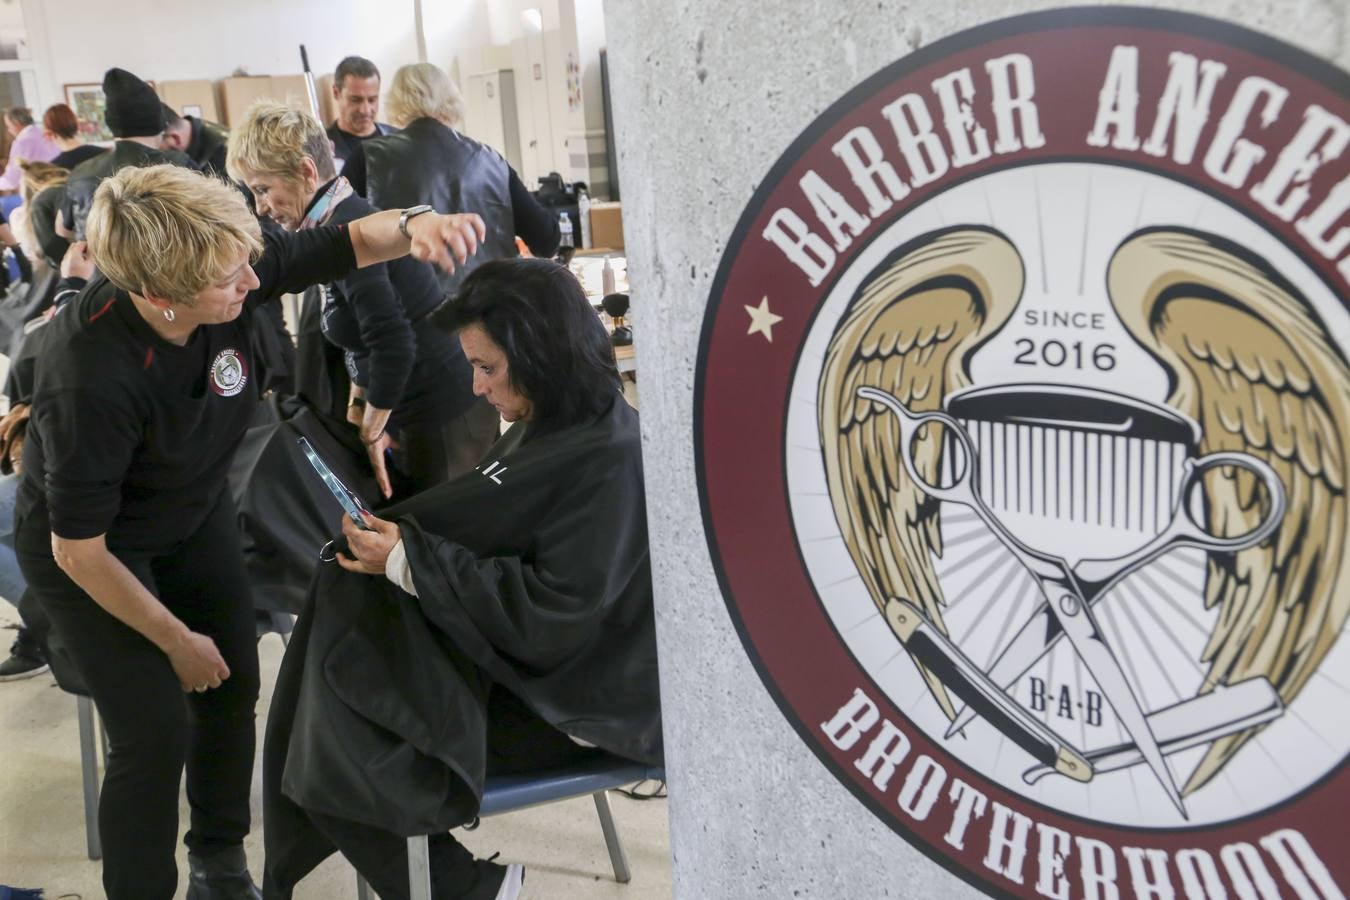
(88, 102)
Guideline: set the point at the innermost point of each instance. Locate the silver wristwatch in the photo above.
(408, 214)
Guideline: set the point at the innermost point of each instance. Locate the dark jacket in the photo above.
(378, 316)
(88, 175)
(347, 150)
(346, 144)
(429, 163)
(208, 145)
(532, 573)
(44, 208)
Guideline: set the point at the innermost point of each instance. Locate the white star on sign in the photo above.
(762, 320)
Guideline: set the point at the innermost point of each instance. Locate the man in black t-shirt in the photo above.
(356, 91)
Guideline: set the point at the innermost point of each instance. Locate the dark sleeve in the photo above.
(547, 604)
(23, 368)
(292, 261)
(68, 212)
(535, 225)
(88, 441)
(391, 346)
(354, 169)
(66, 288)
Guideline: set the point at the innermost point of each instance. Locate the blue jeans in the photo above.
(12, 583)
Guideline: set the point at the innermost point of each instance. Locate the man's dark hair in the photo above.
(20, 114)
(171, 117)
(356, 66)
(557, 353)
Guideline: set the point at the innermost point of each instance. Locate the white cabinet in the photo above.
(532, 105)
(557, 91)
(491, 116)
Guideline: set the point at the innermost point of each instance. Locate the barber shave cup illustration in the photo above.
(1029, 503)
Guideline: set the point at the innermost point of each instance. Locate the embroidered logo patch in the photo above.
(229, 373)
(1023, 442)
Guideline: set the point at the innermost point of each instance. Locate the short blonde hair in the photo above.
(274, 140)
(169, 232)
(420, 91)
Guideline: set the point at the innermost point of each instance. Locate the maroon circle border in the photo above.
(728, 422)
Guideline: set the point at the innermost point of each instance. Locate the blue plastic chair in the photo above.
(509, 793)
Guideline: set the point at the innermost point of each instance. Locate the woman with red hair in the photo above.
(63, 129)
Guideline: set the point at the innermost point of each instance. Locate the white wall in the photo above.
(178, 39)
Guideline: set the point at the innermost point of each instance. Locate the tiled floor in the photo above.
(42, 840)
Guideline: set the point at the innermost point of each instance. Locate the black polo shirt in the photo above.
(131, 435)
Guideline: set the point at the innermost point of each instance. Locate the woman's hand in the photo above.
(197, 662)
(446, 240)
(370, 549)
(376, 451)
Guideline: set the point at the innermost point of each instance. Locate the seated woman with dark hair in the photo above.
(500, 622)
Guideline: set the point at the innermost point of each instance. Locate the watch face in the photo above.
(1023, 412)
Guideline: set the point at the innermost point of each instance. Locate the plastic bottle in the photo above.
(584, 214)
(565, 226)
(607, 278)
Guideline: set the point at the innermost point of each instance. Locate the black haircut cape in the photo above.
(532, 572)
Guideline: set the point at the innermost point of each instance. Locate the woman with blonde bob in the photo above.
(124, 528)
(410, 383)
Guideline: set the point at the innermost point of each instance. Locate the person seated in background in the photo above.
(356, 93)
(45, 196)
(204, 142)
(499, 623)
(135, 116)
(63, 129)
(28, 655)
(29, 145)
(410, 383)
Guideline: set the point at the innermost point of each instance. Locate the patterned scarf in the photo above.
(321, 209)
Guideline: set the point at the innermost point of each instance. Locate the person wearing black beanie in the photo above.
(132, 108)
(136, 118)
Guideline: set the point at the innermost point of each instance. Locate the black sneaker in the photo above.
(26, 658)
(512, 883)
(496, 881)
(221, 876)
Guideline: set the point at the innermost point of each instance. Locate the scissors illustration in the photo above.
(1069, 592)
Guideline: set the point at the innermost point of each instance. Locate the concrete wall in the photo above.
(706, 97)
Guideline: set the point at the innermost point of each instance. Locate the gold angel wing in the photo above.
(1253, 364)
(909, 331)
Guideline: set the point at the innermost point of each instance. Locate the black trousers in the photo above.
(518, 741)
(154, 728)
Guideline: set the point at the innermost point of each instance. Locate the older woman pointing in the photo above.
(124, 528)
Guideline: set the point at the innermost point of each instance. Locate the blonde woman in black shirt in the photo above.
(412, 391)
(125, 529)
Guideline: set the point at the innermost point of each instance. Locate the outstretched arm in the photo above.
(441, 240)
(293, 261)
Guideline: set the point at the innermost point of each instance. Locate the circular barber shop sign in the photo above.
(1023, 416)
